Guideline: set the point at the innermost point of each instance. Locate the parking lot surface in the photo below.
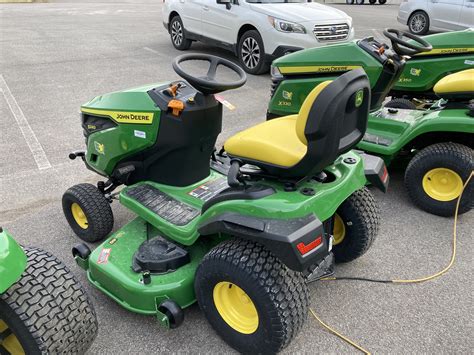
(55, 56)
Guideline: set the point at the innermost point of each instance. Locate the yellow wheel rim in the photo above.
(79, 216)
(10, 342)
(235, 307)
(339, 232)
(442, 184)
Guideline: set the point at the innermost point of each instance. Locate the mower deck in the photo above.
(109, 269)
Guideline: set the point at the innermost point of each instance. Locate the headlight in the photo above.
(285, 26)
(275, 72)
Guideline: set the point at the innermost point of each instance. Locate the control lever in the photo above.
(234, 176)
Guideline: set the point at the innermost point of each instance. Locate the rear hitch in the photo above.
(169, 314)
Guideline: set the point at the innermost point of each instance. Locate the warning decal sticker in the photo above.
(208, 190)
(103, 256)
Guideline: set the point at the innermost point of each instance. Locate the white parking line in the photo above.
(148, 49)
(35, 147)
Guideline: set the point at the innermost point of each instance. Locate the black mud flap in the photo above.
(299, 242)
(375, 171)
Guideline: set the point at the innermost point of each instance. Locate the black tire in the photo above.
(96, 209)
(382, 2)
(280, 295)
(251, 42)
(371, 2)
(47, 309)
(349, 2)
(452, 156)
(360, 2)
(401, 103)
(361, 218)
(419, 23)
(177, 34)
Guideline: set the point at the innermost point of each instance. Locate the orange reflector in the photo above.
(381, 50)
(176, 106)
(385, 174)
(304, 249)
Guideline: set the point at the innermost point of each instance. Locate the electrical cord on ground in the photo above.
(398, 281)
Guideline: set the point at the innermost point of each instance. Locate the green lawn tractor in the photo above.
(293, 77)
(43, 308)
(241, 230)
(435, 143)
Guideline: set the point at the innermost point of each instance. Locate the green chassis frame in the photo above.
(116, 279)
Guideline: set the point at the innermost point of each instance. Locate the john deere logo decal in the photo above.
(359, 98)
(415, 72)
(121, 116)
(100, 148)
(287, 95)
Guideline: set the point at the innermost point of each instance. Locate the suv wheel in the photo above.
(252, 53)
(419, 23)
(178, 37)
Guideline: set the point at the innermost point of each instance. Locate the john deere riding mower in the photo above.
(434, 143)
(241, 231)
(293, 77)
(43, 308)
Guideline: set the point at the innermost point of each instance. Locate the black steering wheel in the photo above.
(402, 47)
(208, 84)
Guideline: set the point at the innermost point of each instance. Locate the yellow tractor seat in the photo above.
(273, 142)
(460, 84)
(332, 120)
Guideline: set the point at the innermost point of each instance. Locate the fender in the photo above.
(298, 242)
(12, 261)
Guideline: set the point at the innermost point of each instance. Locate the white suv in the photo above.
(257, 31)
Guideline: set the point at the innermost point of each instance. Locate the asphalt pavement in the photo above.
(55, 56)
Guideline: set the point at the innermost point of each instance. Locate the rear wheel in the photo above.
(46, 311)
(419, 23)
(360, 2)
(381, 2)
(88, 212)
(371, 2)
(401, 103)
(253, 301)
(178, 36)
(349, 2)
(435, 177)
(356, 225)
(251, 53)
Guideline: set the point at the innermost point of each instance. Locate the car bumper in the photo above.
(278, 44)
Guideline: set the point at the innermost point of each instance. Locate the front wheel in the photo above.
(381, 2)
(356, 224)
(47, 311)
(349, 2)
(251, 52)
(88, 212)
(419, 23)
(360, 2)
(253, 301)
(435, 177)
(178, 35)
(371, 2)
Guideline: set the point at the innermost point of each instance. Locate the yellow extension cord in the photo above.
(423, 279)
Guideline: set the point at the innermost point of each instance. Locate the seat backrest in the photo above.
(332, 120)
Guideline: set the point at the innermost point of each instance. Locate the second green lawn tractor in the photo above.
(43, 308)
(241, 230)
(435, 143)
(295, 75)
